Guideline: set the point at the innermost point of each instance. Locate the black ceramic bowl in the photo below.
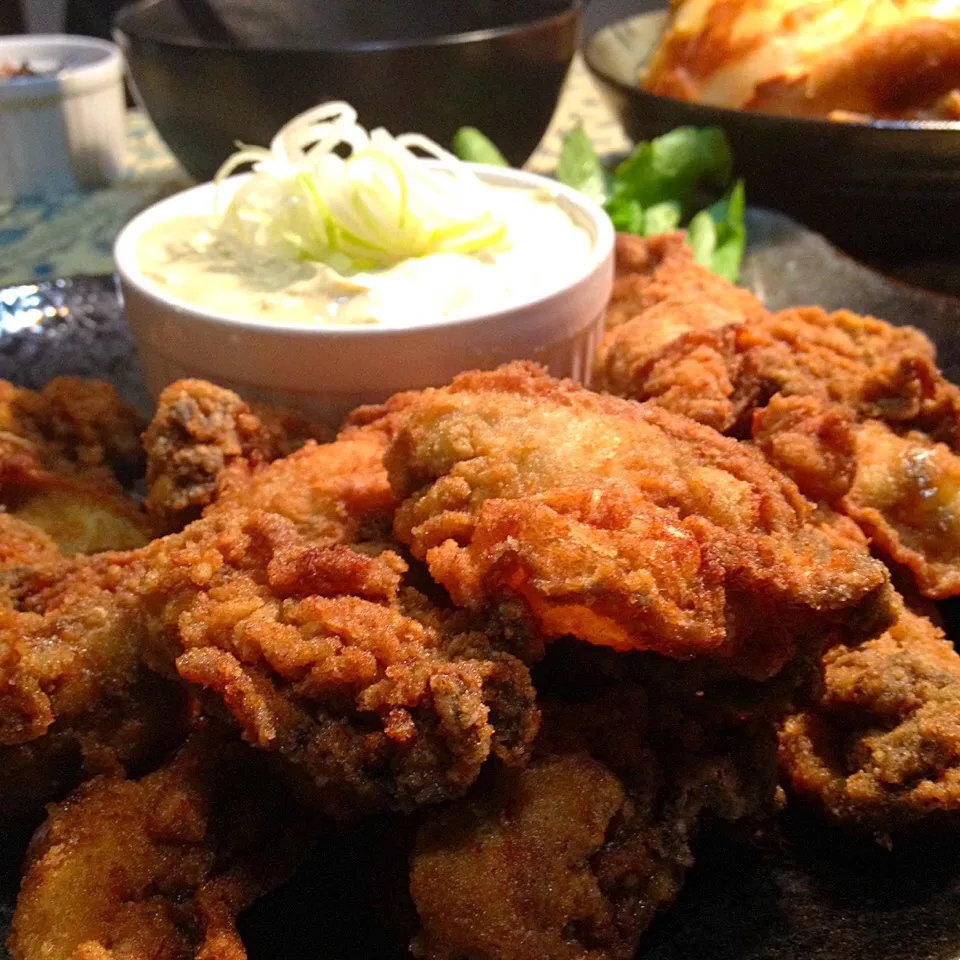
(213, 72)
(886, 191)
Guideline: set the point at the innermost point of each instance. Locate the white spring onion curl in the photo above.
(381, 205)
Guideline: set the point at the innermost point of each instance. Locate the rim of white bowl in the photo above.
(108, 66)
(125, 24)
(595, 218)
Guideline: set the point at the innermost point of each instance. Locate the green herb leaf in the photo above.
(661, 218)
(673, 167)
(471, 145)
(718, 234)
(731, 233)
(580, 168)
(627, 216)
(702, 237)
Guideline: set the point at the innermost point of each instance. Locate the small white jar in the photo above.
(65, 129)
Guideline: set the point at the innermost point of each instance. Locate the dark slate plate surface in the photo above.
(73, 327)
(801, 892)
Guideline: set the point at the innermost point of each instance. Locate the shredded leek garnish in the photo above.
(379, 205)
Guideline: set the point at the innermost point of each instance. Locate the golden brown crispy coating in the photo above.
(75, 699)
(906, 496)
(78, 516)
(84, 512)
(23, 544)
(623, 525)
(75, 635)
(73, 425)
(903, 490)
(311, 650)
(160, 867)
(119, 734)
(336, 492)
(851, 408)
(573, 857)
(67, 644)
(202, 438)
(671, 332)
(882, 748)
(684, 356)
(651, 271)
(510, 876)
(874, 369)
(70, 646)
(703, 356)
(812, 442)
(61, 452)
(303, 640)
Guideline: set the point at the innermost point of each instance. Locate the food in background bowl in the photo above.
(323, 282)
(842, 59)
(877, 190)
(17, 71)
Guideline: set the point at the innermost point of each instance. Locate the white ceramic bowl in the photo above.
(329, 370)
(65, 129)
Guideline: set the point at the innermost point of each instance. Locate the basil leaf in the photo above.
(675, 166)
(470, 145)
(661, 218)
(731, 240)
(627, 216)
(702, 237)
(579, 166)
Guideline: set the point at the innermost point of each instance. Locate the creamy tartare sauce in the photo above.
(544, 246)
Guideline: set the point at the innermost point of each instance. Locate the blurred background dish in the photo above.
(61, 114)
(853, 60)
(214, 72)
(884, 190)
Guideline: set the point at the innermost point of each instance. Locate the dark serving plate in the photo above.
(214, 72)
(71, 327)
(798, 891)
(884, 190)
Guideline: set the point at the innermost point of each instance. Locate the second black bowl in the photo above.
(887, 191)
(213, 72)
